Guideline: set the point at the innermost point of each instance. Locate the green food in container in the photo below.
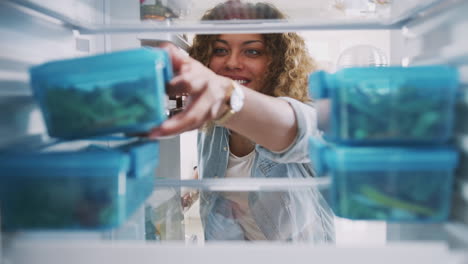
(100, 108)
(397, 183)
(120, 92)
(92, 188)
(388, 105)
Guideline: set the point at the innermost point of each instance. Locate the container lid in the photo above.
(328, 157)
(323, 84)
(144, 157)
(136, 159)
(105, 62)
(64, 163)
(423, 77)
(318, 87)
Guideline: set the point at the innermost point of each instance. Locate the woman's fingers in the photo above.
(190, 80)
(193, 117)
(202, 109)
(190, 83)
(178, 58)
(204, 88)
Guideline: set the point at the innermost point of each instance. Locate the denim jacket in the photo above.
(287, 215)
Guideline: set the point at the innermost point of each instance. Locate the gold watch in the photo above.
(235, 101)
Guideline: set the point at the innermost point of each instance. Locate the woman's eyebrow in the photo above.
(243, 43)
(251, 41)
(222, 41)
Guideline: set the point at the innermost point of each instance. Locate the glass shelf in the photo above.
(168, 221)
(270, 184)
(252, 26)
(14, 88)
(125, 17)
(93, 252)
(174, 212)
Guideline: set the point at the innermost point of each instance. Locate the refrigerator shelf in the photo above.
(302, 15)
(270, 184)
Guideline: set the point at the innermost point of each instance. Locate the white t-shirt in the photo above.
(241, 167)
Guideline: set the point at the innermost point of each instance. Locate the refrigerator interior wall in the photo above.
(439, 37)
(18, 109)
(30, 38)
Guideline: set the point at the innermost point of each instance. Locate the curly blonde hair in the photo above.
(288, 68)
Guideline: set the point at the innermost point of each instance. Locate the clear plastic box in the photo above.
(388, 105)
(388, 183)
(119, 92)
(94, 187)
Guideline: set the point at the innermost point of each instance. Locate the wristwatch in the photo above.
(235, 101)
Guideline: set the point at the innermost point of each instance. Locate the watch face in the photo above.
(237, 99)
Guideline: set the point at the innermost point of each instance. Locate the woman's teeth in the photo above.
(241, 81)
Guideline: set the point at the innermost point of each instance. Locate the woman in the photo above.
(250, 93)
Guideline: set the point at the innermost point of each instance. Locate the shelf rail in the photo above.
(270, 184)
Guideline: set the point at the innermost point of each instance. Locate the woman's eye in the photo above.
(253, 52)
(219, 51)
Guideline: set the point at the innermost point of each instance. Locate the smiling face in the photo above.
(241, 57)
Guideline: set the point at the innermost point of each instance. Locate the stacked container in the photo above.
(81, 183)
(387, 147)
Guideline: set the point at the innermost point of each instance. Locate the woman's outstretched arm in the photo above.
(266, 120)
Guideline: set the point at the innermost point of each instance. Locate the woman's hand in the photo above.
(206, 94)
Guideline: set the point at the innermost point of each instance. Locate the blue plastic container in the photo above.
(387, 183)
(120, 92)
(92, 188)
(388, 105)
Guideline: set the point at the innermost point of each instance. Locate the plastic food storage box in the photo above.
(110, 93)
(388, 105)
(387, 183)
(93, 188)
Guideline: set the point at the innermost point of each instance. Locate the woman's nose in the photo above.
(234, 62)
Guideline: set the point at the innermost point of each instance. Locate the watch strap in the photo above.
(225, 117)
(229, 112)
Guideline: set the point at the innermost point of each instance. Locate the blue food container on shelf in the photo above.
(387, 183)
(91, 188)
(388, 105)
(120, 92)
